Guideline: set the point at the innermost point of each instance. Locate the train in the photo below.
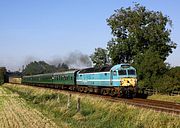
(15, 79)
(119, 80)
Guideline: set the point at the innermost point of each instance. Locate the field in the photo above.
(94, 112)
(16, 113)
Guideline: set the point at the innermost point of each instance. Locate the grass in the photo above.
(16, 113)
(175, 99)
(95, 112)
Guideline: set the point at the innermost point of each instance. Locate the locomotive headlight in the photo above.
(122, 81)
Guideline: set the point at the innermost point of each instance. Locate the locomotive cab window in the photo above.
(122, 72)
(131, 72)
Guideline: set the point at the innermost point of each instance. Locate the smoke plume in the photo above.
(73, 60)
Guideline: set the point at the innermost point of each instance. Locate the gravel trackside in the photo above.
(16, 113)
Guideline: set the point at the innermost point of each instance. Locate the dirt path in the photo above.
(15, 113)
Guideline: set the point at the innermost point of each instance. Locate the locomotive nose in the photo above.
(128, 81)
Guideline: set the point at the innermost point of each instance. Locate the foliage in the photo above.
(150, 67)
(2, 74)
(43, 67)
(154, 73)
(100, 57)
(62, 67)
(170, 81)
(137, 29)
(38, 68)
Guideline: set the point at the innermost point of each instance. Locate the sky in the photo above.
(51, 29)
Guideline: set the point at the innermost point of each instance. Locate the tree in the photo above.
(2, 74)
(170, 81)
(135, 30)
(99, 57)
(62, 67)
(38, 68)
(150, 67)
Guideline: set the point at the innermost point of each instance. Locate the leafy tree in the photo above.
(170, 81)
(41, 67)
(62, 67)
(150, 68)
(99, 57)
(38, 68)
(135, 30)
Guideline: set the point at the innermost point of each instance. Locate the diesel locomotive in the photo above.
(118, 80)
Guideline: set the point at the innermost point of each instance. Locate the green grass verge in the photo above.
(165, 98)
(95, 112)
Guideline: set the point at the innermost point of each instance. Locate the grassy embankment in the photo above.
(175, 99)
(95, 112)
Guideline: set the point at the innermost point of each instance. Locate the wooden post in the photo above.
(69, 101)
(58, 98)
(78, 104)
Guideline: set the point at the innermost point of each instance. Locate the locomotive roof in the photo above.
(106, 68)
(101, 69)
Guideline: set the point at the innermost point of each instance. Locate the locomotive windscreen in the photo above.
(131, 72)
(122, 72)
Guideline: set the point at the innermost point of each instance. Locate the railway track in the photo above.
(163, 106)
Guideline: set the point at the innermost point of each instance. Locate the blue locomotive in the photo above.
(119, 80)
